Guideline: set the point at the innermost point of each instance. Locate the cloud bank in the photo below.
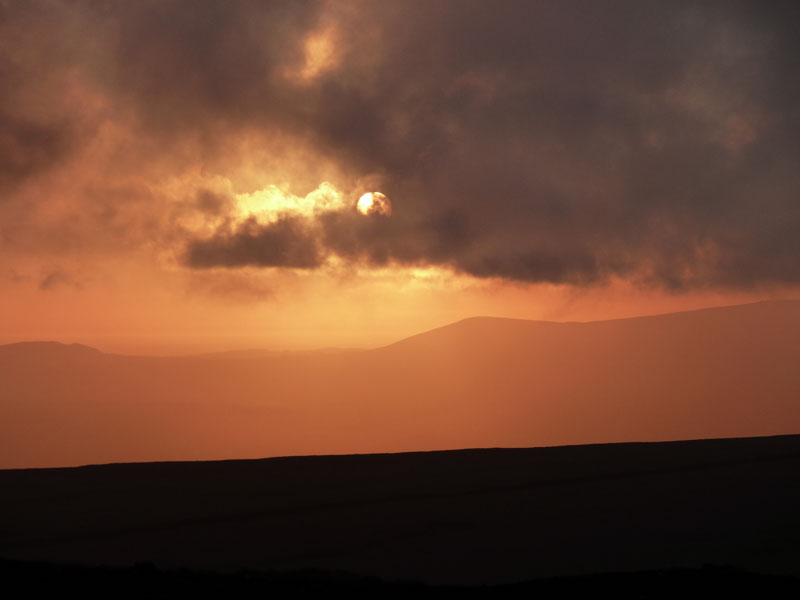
(565, 142)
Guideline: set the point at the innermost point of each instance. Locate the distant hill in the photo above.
(38, 350)
(482, 382)
(459, 517)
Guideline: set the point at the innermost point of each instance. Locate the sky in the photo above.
(180, 176)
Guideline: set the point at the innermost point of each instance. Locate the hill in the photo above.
(460, 517)
(722, 372)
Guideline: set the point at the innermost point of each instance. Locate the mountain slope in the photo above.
(723, 372)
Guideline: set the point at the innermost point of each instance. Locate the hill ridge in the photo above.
(269, 353)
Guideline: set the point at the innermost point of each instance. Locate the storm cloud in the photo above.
(285, 243)
(566, 142)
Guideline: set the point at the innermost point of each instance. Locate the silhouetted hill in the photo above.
(722, 372)
(45, 350)
(464, 517)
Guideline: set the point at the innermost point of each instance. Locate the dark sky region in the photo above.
(215, 151)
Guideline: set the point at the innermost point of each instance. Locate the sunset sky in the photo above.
(185, 176)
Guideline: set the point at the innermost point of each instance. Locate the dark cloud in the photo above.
(288, 242)
(305, 242)
(566, 141)
(202, 68)
(28, 147)
(213, 203)
(57, 277)
(35, 133)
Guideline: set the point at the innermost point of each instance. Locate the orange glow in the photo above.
(476, 383)
(267, 204)
(320, 55)
(198, 178)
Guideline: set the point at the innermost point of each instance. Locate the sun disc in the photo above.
(365, 203)
(374, 203)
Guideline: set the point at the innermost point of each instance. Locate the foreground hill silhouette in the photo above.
(145, 580)
(464, 517)
(483, 382)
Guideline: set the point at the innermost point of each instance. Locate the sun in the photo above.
(365, 203)
(374, 203)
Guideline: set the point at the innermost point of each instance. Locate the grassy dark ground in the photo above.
(147, 581)
(471, 517)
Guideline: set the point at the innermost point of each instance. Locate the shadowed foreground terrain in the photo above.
(715, 373)
(468, 517)
(144, 580)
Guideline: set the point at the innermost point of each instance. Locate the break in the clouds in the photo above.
(562, 142)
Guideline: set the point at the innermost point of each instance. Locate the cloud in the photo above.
(284, 243)
(29, 147)
(57, 277)
(566, 142)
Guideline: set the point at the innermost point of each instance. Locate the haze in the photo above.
(726, 372)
